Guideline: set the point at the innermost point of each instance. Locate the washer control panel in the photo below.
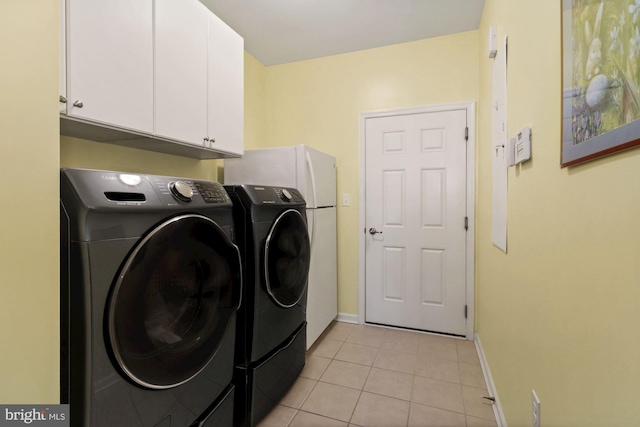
(121, 190)
(212, 192)
(175, 190)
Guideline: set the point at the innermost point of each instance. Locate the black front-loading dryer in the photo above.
(271, 340)
(151, 282)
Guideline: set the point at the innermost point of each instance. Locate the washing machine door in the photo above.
(287, 258)
(173, 300)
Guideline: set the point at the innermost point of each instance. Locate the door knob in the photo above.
(373, 231)
(78, 104)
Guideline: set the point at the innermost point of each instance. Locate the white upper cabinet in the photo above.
(225, 128)
(160, 75)
(109, 62)
(199, 89)
(181, 70)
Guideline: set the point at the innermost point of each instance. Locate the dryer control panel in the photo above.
(266, 195)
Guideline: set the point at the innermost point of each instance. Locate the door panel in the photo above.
(173, 300)
(416, 200)
(432, 275)
(432, 197)
(109, 57)
(287, 257)
(322, 296)
(225, 87)
(319, 171)
(181, 74)
(394, 267)
(393, 198)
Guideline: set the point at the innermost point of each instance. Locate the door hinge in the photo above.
(466, 223)
(466, 133)
(465, 311)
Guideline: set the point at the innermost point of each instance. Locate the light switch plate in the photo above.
(346, 199)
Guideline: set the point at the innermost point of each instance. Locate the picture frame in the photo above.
(601, 78)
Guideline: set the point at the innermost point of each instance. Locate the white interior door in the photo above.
(416, 206)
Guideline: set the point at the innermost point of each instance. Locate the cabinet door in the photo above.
(62, 59)
(181, 70)
(110, 62)
(226, 87)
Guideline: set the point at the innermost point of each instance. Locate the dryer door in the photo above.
(173, 300)
(287, 257)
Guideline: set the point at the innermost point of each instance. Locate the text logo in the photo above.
(38, 415)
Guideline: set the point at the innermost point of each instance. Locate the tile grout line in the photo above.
(413, 383)
(311, 391)
(365, 381)
(464, 407)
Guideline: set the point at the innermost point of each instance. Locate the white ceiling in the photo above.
(281, 31)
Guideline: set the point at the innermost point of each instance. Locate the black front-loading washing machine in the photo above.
(271, 340)
(151, 281)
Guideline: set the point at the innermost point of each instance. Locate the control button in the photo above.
(286, 196)
(181, 191)
(211, 192)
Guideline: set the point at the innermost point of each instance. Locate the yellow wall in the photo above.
(318, 102)
(559, 313)
(29, 266)
(254, 103)
(80, 153)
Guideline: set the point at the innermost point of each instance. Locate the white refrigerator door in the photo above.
(317, 172)
(265, 166)
(322, 294)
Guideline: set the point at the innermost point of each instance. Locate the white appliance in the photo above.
(313, 173)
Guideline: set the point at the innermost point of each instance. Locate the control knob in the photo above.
(181, 191)
(286, 196)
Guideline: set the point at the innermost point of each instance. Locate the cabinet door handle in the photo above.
(63, 99)
(78, 104)
(213, 140)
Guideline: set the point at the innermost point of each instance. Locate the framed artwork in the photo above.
(601, 77)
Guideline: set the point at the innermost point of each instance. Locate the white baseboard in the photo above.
(497, 408)
(347, 318)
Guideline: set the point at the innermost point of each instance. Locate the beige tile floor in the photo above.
(357, 375)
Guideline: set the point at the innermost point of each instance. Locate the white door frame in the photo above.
(470, 108)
